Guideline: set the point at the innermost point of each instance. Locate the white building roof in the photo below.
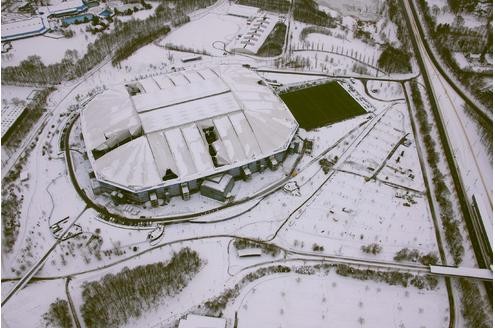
(167, 119)
(218, 182)
(242, 11)
(24, 28)
(64, 7)
(200, 321)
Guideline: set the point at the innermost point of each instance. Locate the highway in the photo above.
(435, 93)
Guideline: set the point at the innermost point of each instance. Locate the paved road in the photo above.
(434, 93)
(71, 304)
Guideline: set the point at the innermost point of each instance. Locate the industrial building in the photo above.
(167, 134)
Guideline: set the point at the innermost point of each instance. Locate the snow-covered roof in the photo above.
(242, 11)
(182, 126)
(71, 6)
(24, 28)
(218, 182)
(201, 321)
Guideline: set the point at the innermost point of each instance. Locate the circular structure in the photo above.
(164, 135)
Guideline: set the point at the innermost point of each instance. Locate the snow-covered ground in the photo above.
(318, 300)
(29, 305)
(341, 214)
(201, 34)
(50, 50)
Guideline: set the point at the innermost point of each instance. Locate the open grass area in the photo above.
(321, 105)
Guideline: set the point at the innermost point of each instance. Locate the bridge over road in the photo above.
(474, 273)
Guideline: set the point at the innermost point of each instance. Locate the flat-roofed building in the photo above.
(218, 186)
(165, 132)
(66, 8)
(242, 11)
(24, 28)
(201, 321)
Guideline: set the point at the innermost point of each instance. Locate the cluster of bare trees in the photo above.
(113, 300)
(373, 248)
(307, 11)
(271, 249)
(394, 60)
(473, 308)
(217, 304)
(415, 255)
(137, 42)
(396, 16)
(58, 315)
(274, 43)
(442, 192)
(390, 277)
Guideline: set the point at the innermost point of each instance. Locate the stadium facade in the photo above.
(163, 135)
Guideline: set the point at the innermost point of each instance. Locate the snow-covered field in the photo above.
(49, 49)
(319, 300)
(349, 207)
(203, 34)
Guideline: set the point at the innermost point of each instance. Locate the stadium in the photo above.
(167, 135)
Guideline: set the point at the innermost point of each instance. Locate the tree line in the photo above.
(395, 60)
(116, 298)
(449, 222)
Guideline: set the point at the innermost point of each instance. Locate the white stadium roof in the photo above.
(135, 141)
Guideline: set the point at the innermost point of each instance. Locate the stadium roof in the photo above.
(182, 126)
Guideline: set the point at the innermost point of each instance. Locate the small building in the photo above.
(24, 176)
(96, 186)
(201, 321)
(218, 187)
(106, 13)
(191, 58)
(248, 252)
(184, 187)
(153, 199)
(242, 11)
(245, 173)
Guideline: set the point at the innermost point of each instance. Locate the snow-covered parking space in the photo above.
(349, 212)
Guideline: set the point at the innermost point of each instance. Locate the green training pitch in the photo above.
(321, 105)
